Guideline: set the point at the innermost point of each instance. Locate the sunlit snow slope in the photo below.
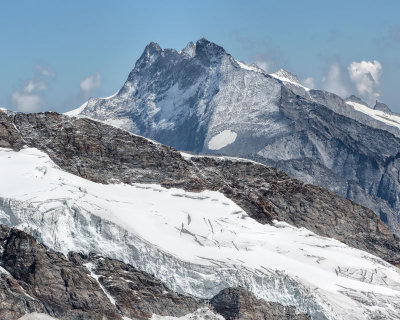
(197, 243)
(389, 119)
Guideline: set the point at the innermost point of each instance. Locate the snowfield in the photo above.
(222, 139)
(197, 243)
(287, 77)
(389, 119)
(36, 316)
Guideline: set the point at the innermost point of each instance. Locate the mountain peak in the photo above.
(152, 47)
(189, 50)
(284, 75)
(356, 99)
(382, 107)
(148, 55)
(208, 51)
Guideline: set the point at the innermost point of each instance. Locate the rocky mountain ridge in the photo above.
(207, 102)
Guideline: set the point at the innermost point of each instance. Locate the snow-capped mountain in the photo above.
(155, 232)
(202, 100)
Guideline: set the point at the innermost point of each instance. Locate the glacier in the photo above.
(389, 119)
(196, 243)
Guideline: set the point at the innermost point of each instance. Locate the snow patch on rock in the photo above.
(222, 139)
(36, 316)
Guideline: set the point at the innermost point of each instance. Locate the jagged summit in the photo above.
(152, 47)
(208, 51)
(202, 100)
(284, 75)
(205, 51)
(382, 107)
(189, 50)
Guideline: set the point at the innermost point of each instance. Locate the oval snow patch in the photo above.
(222, 139)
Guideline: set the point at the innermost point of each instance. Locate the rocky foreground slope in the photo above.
(199, 225)
(202, 100)
(34, 279)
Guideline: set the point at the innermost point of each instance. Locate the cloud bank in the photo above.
(30, 97)
(366, 77)
(27, 102)
(333, 80)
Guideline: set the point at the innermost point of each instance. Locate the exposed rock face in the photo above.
(40, 280)
(139, 295)
(237, 303)
(34, 279)
(190, 101)
(106, 154)
(382, 107)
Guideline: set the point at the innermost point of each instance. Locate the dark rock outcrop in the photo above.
(239, 304)
(139, 295)
(41, 280)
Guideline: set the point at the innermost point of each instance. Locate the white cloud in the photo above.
(35, 84)
(27, 102)
(30, 97)
(366, 77)
(30, 86)
(90, 83)
(45, 71)
(309, 82)
(333, 80)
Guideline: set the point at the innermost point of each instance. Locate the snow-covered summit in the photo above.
(289, 79)
(284, 75)
(251, 67)
(202, 100)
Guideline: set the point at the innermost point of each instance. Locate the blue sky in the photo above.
(56, 54)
